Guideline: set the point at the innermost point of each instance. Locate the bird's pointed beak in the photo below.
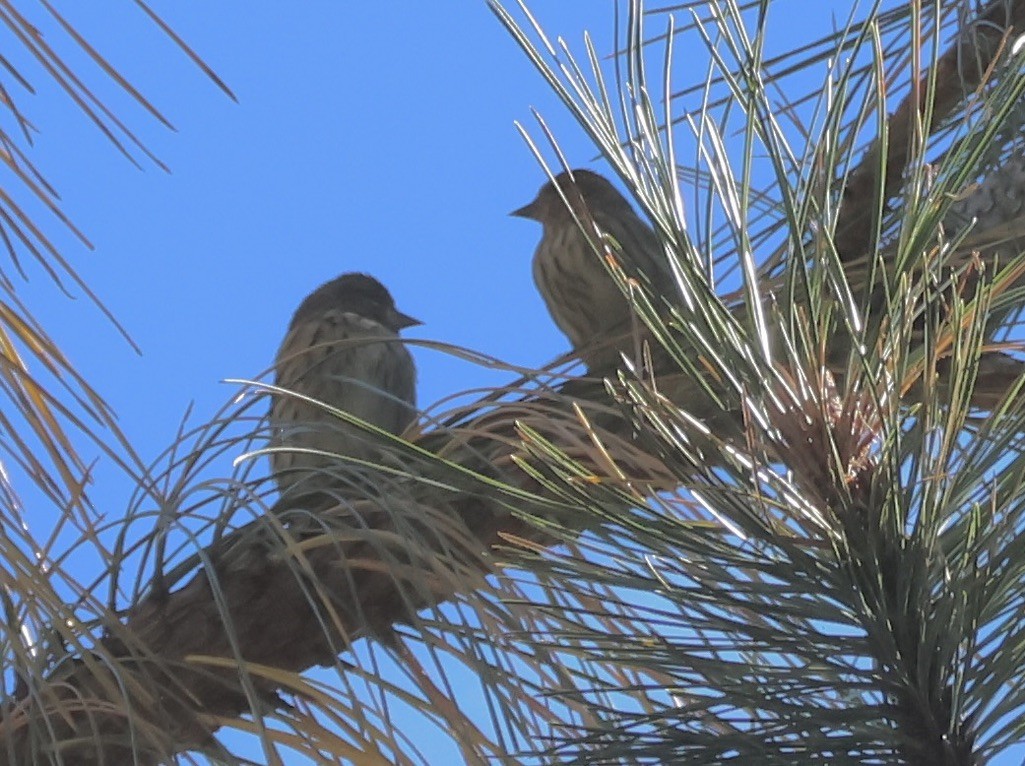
(402, 321)
(527, 211)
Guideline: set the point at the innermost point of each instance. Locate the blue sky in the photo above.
(367, 136)
(362, 140)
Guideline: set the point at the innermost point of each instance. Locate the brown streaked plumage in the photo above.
(342, 348)
(582, 297)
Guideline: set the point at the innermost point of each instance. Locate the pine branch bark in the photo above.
(958, 72)
(297, 588)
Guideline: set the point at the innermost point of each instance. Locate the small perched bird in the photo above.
(342, 348)
(580, 293)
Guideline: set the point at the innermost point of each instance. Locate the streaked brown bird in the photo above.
(582, 296)
(342, 348)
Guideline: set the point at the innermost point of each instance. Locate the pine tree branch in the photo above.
(296, 588)
(957, 73)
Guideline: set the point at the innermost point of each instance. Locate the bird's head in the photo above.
(359, 293)
(585, 191)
